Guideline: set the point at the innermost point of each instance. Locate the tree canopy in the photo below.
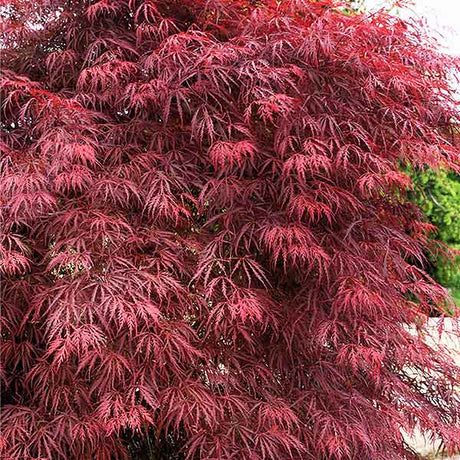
(208, 246)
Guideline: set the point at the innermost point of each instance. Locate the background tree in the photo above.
(207, 245)
(438, 194)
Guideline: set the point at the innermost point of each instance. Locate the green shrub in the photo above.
(438, 195)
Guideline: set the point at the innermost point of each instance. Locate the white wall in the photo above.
(449, 339)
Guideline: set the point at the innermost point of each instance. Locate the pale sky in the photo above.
(441, 15)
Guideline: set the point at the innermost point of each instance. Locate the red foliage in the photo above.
(206, 243)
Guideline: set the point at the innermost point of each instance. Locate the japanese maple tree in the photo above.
(207, 249)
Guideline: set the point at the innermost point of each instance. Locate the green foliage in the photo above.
(355, 6)
(438, 195)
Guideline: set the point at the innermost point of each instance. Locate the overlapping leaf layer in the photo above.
(206, 243)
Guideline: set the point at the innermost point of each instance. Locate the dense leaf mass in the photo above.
(207, 249)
